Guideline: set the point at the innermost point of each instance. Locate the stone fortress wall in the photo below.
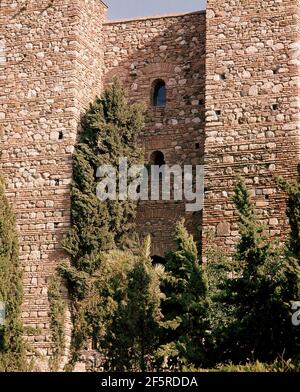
(252, 108)
(51, 62)
(172, 49)
(232, 102)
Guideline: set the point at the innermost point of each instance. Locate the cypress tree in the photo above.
(140, 315)
(185, 307)
(110, 131)
(12, 348)
(260, 289)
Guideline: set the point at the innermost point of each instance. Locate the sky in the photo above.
(120, 9)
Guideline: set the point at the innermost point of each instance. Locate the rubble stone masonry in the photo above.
(232, 80)
(252, 108)
(51, 61)
(172, 49)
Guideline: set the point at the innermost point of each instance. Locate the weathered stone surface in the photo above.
(173, 49)
(255, 42)
(232, 78)
(51, 62)
(223, 229)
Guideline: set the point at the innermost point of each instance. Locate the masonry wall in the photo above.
(173, 49)
(252, 108)
(237, 68)
(51, 54)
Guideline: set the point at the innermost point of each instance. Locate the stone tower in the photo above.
(51, 61)
(232, 101)
(252, 108)
(171, 49)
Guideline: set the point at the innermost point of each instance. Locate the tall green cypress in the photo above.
(12, 348)
(110, 131)
(141, 315)
(185, 307)
(260, 289)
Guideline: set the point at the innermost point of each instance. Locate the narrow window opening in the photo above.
(60, 135)
(157, 158)
(159, 98)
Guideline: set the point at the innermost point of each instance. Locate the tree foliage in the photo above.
(260, 289)
(12, 347)
(185, 307)
(133, 337)
(110, 131)
(109, 275)
(57, 320)
(240, 312)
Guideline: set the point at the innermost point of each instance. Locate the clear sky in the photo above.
(119, 9)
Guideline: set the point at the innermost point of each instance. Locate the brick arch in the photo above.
(159, 69)
(119, 72)
(157, 157)
(157, 142)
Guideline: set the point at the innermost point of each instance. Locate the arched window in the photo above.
(157, 158)
(159, 97)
